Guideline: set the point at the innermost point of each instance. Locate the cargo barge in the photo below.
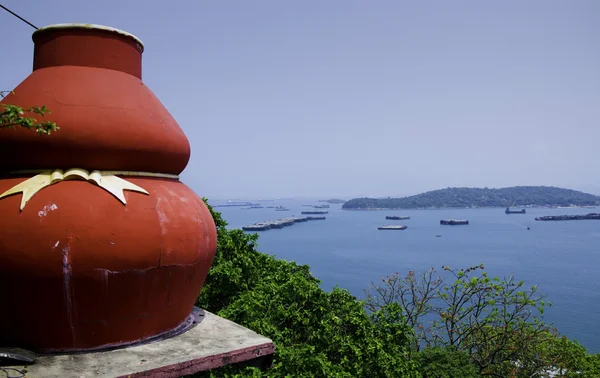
(593, 216)
(454, 222)
(393, 227)
(279, 223)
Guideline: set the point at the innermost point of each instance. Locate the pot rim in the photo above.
(89, 27)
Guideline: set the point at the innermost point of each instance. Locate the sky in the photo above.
(347, 98)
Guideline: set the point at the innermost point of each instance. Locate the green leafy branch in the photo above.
(12, 116)
(458, 323)
(492, 320)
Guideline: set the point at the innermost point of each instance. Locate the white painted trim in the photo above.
(120, 173)
(90, 26)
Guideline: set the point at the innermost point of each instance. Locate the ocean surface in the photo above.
(347, 250)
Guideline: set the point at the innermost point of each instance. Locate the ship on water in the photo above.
(397, 227)
(454, 222)
(595, 216)
(509, 211)
(235, 203)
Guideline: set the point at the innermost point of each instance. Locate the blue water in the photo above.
(347, 250)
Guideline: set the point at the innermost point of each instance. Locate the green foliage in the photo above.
(493, 321)
(13, 117)
(477, 197)
(566, 357)
(464, 324)
(439, 362)
(467, 320)
(317, 333)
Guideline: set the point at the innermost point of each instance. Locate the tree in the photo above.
(12, 116)
(460, 323)
(317, 333)
(563, 357)
(495, 321)
(413, 293)
(439, 362)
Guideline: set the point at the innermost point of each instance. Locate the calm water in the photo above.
(347, 250)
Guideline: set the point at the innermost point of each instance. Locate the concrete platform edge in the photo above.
(206, 363)
(212, 343)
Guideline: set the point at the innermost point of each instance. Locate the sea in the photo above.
(561, 257)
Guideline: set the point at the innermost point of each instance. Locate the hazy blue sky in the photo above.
(360, 98)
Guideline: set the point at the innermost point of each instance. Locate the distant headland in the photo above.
(530, 196)
(333, 200)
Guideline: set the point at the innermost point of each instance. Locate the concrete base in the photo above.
(212, 343)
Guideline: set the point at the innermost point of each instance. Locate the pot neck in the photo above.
(89, 46)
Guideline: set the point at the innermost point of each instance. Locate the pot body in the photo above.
(108, 119)
(80, 269)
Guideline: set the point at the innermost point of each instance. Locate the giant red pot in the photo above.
(100, 243)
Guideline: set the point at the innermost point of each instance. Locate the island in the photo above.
(518, 196)
(333, 200)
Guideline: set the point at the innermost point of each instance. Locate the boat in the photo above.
(279, 223)
(256, 227)
(393, 227)
(454, 222)
(397, 217)
(509, 211)
(232, 204)
(315, 212)
(594, 216)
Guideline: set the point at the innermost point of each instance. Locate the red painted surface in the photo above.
(78, 269)
(207, 363)
(87, 48)
(81, 270)
(108, 118)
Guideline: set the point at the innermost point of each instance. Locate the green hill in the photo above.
(477, 197)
